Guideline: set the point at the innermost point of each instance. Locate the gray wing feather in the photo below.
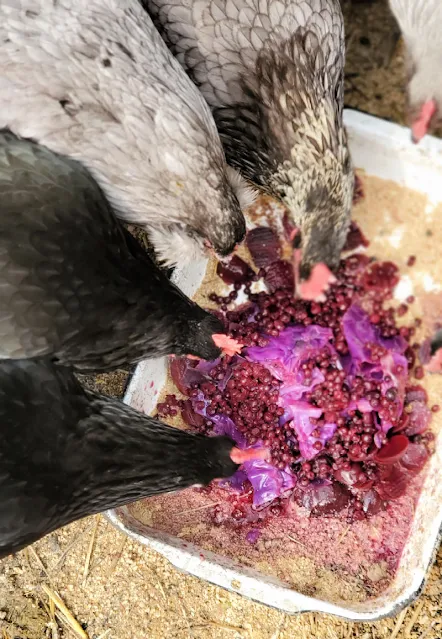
(94, 80)
(219, 42)
(73, 283)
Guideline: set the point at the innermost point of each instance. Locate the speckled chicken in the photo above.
(74, 284)
(420, 22)
(272, 72)
(67, 452)
(92, 79)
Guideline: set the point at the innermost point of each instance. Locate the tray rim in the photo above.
(218, 570)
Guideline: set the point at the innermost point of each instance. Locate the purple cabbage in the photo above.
(283, 356)
(253, 535)
(225, 426)
(201, 373)
(292, 347)
(267, 481)
(358, 331)
(301, 414)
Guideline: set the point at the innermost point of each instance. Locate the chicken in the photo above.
(272, 72)
(67, 453)
(74, 284)
(419, 21)
(93, 80)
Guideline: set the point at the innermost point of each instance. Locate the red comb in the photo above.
(229, 345)
(240, 456)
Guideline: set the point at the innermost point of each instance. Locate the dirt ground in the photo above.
(118, 589)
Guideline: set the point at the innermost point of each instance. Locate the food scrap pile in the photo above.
(326, 387)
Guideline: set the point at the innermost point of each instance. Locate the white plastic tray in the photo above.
(384, 150)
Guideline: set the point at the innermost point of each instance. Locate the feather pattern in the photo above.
(93, 80)
(74, 284)
(67, 452)
(272, 72)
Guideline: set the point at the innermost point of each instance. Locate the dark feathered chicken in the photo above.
(420, 22)
(93, 80)
(272, 72)
(74, 284)
(66, 453)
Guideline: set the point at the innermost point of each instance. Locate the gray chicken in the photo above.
(420, 21)
(93, 79)
(74, 284)
(67, 452)
(272, 72)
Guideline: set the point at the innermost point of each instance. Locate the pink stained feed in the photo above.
(227, 344)
(420, 126)
(240, 456)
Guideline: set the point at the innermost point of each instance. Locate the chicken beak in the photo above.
(420, 126)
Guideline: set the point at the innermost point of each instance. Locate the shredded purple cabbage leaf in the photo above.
(359, 331)
(283, 356)
(200, 373)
